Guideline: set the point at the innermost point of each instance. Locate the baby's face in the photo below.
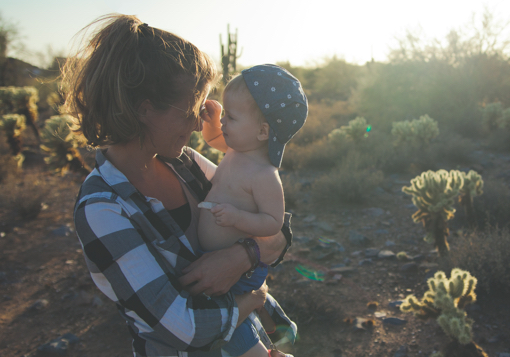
(241, 125)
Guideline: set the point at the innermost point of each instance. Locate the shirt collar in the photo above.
(113, 177)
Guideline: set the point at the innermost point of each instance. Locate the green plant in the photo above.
(197, 142)
(229, 55)
(446, 300)
(62, 146)
(356, 130)
(21, 100)
(418, 131)
(492, 115)
(434, 195)
(13, 125)
(472, 187)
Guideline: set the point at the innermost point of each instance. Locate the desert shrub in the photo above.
(23, 194)
(318, 155)
(13, 126)
(21, 100)
(486, 255)
(293, 190)
(499, 140)
(452, 149)
(356, 131)
(493, 207)
(347, 183)
(62, 145)
(492, 115)
(418, 131)
(197, 142)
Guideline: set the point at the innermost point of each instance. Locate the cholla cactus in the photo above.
(62, 146)
(434, 195)
(420, 131)
(473, 186)
(445, 300)
(492, 115)
(356, 130)
(13, 125)
(21, 100)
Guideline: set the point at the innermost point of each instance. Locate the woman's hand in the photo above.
(214, 273)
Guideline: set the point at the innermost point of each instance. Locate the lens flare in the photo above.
(310, 273)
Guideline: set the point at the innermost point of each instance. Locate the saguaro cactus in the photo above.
(434, 194)
(446, 300)
(472, 187)
(229, 55)
(62, 146)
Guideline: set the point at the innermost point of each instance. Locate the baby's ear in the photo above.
(264, 132)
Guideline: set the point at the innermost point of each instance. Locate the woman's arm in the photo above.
(133, 274)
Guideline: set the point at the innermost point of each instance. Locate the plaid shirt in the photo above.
(135, 253)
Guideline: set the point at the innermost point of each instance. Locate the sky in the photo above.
(301, 32)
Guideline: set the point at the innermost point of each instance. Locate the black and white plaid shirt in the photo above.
(135, 253)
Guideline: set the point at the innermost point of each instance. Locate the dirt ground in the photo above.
(46, 291)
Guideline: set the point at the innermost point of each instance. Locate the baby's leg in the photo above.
(266, 320)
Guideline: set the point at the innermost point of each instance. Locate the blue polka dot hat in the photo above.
(281, 99)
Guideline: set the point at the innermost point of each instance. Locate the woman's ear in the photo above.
(144, 109)
(264, 132)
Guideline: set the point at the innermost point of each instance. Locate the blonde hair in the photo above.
(237, 86)
(125, 63)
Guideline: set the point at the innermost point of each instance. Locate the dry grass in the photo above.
(485, 255)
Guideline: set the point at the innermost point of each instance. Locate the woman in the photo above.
(136, 92)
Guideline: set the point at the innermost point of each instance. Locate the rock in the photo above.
(386, 254)
(374, 212)
(389, 243)
(97, 302)
(356, 253)
(365, 262)
(426, 266)
(409, 268)
(401, 352)
(302, 240)
(381, 231)
(394, 321)
(504, 354)
(63, 231)
(379, 314)
(342, 270)
(371, 252)
(386, 223)
(39, 305)
(309, 218)
(330, 245)
(325, 227)
(357, 238)
(395, 304)
(418, 258)
(58, 346)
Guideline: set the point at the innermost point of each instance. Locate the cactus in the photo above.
(356, 130)
(197, 142)
(62, 146)
(445, 300)
(492, 115)
(434, 195)
(21, 100)
(13, 125)
(418, 131)
(473, 186)
(229, 55)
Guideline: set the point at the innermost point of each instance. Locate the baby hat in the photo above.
(281, 99)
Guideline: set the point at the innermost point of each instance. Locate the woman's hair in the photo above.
(238, 86)
(125, 63)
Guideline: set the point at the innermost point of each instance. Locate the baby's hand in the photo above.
(212, 112)
(226, 214)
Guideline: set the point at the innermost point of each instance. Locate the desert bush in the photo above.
(355, 131)
(418, 131)
(197, 142)
(493, 207)
(23, 194)
(492, 115)
(486, 254)
(13, 126)
(62, 146)
(452, 149)
(21, 100)
(347, 183)
(318, 155)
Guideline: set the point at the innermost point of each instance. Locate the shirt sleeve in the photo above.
(134, 274)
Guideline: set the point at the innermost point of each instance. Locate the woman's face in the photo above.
(169, 131)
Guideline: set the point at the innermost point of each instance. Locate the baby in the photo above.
(265, 107)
